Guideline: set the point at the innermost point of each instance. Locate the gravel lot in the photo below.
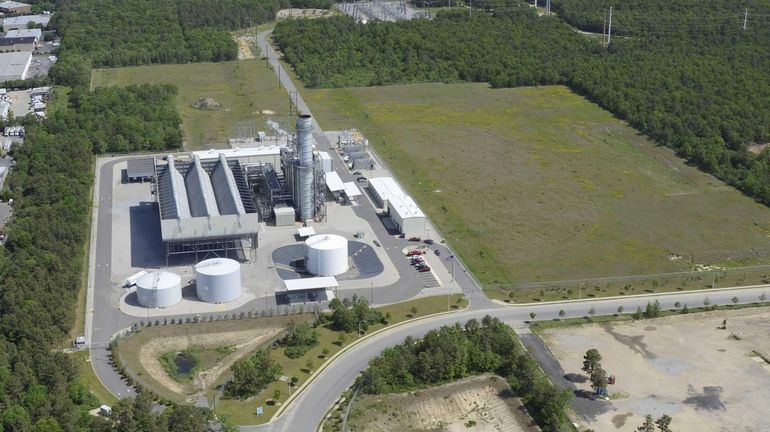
(706, 378)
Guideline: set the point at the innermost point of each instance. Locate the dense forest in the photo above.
(454, 352)
(41, 266)
(114, 33)
(703, 91)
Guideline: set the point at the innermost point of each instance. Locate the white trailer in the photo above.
(131, 280)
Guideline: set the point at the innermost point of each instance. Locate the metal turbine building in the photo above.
(205, 207)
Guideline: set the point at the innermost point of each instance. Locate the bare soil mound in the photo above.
(480, 404)
(206, 103)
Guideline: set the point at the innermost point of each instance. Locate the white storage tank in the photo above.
(326, 255)
(218, 280)
(159, 289)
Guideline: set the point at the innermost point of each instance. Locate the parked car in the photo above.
(428, 241)
(357, 173)
(362, 179)
(424, 269)
(414, 239)
(376, 243)
(437, 252)
(415, 252)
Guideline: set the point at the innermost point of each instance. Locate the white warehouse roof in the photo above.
(351, 190)
(239, 152)
(311, 283)
(387, 189)
(334, 182)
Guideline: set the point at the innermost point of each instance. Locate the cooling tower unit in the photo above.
(306, 191)
(326, 255)
(159, 289)
(218, 280)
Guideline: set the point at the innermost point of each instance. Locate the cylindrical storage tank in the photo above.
(159, 289)
(218, 280)
(326, 255)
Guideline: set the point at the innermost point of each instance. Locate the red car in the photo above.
(424, 269)
(415, 252)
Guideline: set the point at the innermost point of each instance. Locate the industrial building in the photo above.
(159, 289)
(15, 8)
(299, 183)
(205, 207)
(14, 65)
(400, 207)
(310, 289)
(218, 280)
(21, 22)
(246, 156)
(140, 169)
(326, 255)
(21, 40)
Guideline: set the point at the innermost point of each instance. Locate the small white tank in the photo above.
(218, 280)
(159, 289)
(326, 255)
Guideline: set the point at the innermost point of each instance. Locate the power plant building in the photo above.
(401, 208)
(218, 280)
(205, 206)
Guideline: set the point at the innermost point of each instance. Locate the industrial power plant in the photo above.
(215, 206)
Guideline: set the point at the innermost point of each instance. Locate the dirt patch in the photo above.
(303, 13)
(244, 341)
(206, 103)
(758, 148)
(686, 368)
(482, 404)
(245, 50)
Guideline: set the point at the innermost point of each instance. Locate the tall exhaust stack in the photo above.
(305, 150)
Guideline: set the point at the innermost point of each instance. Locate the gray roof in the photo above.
(23, 34)
(12, 4)
(200, 193)
(14, 63)
(141, 168)
(191, 196)
(23, 20)
(226, 189)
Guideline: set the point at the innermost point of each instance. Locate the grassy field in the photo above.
(539, 184)
(247, 91)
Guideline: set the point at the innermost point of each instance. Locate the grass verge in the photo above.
(88, 377)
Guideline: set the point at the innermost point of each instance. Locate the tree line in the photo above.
(706, 94)
(42, 263)
(115, 33)
(454, 352)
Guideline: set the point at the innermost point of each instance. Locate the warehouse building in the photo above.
(14, 65)
(250, 155)
(22, 22)
(21, 40)
(205, 207)
(15, 8)
(400, 207)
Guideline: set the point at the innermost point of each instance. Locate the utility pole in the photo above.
(548, 7)
(609, 32)
(604, 29)
(470, 8)
(745, 19)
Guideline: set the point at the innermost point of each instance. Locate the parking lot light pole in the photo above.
(359, 328)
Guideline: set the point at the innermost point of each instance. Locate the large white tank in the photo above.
(159, 289)
(326, 255)
(218, 280)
